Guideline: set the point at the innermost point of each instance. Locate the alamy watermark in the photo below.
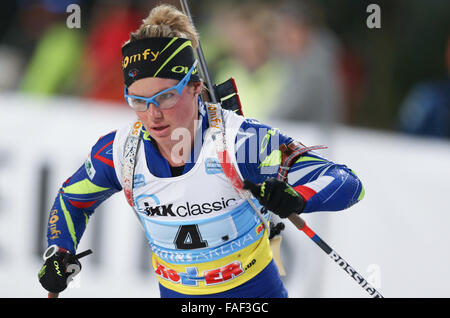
(73, 20)
(251, 145)
(374, 275)
(373, 21)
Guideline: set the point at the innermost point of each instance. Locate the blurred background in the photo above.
(371, 84)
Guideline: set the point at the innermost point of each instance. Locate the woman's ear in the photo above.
(197, 87)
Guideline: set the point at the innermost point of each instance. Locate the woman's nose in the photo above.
(154, 111)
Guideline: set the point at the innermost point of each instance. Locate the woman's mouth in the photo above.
(160, 130)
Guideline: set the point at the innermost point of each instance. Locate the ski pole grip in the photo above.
(297, 221)
(83, 254)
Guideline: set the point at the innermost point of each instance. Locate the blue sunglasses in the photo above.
(165, 99)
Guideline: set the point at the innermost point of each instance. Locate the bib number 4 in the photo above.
(189, 237)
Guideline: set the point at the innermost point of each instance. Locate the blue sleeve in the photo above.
(324, 185)
(94, 182)
(257, 150)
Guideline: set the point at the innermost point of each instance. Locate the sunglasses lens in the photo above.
(137, 104)
(168, 99)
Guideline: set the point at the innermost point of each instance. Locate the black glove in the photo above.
(275, 229)
(277, 196)
(59, 268)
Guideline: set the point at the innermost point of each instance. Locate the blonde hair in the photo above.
(166, 21)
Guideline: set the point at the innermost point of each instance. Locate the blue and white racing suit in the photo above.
(206, 240)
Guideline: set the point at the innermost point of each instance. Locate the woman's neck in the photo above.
(177, 152)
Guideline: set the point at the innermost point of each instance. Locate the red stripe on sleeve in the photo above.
(305, 192)
(107, 161)
(82, 205)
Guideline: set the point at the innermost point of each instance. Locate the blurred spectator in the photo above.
(353, 76)
(312, 88)
(11, 58)
(426, 109)
(110, 27)
(55, 62)
(243, 31)
(11, 64)
(57, 54)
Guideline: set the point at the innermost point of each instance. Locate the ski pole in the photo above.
(301, 225)
(289, 156)
(200, 55)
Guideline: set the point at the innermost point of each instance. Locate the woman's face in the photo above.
(160, 123)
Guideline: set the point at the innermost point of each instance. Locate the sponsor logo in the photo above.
(146, 54)
(150, 199)
(56, 264)
(212, 166)
(354, 274)
(182, 69)
(210, 277)
(215, 120)
(90, 170)
(133, 73)
(54, 232)
(259, 229)
(136, 128)
(139, 181)
(223, 274)
(189, 278)
(188, 209)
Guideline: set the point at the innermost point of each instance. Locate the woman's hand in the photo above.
(277, 196)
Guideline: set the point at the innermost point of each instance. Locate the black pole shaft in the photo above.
(346, 267)
(201, 56)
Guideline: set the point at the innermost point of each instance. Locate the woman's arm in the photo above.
(81, 194)
(323, 185)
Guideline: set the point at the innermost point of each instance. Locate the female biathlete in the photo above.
(206, 239)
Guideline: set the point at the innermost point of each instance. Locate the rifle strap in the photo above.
(129, 160)
(290, 154)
